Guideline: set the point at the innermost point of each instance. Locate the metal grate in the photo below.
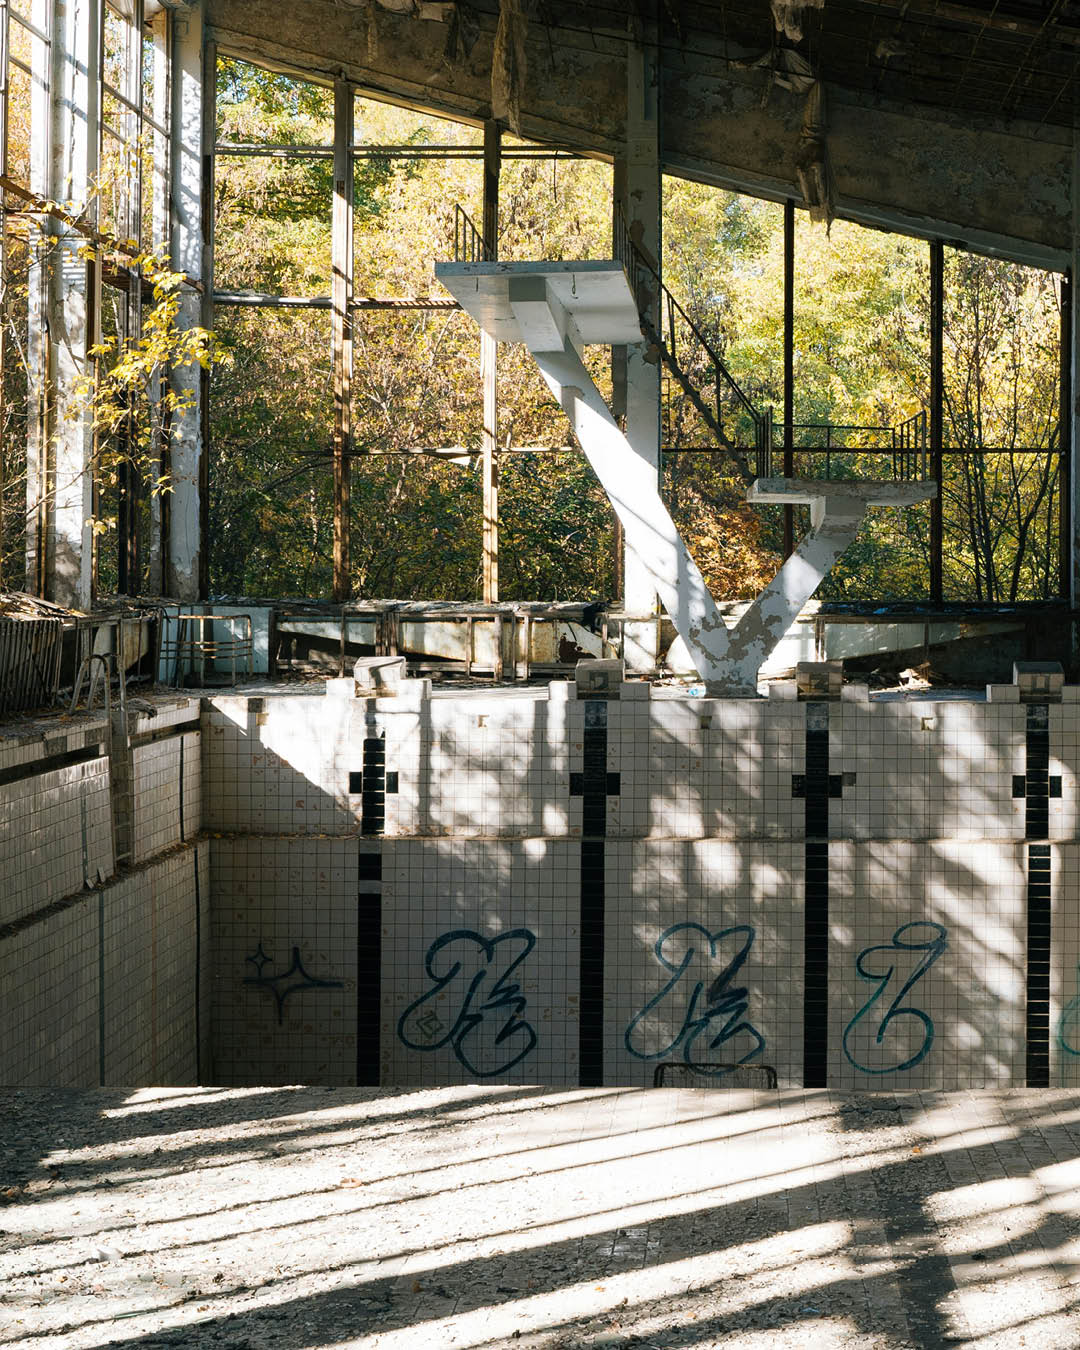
(30, 652)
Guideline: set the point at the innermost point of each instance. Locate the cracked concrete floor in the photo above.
(489, 1217)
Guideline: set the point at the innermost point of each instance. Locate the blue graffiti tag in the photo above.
(473, 1007)
(1070, 1016)
(932, 941)
(711, 1016)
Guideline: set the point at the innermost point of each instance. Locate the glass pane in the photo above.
(416, 386)
(723, 264)
(116, 52)
(18, 125)
(147, 75)
(735, 546)
(1002, 335)
(889, 558)
(118, 173)
(273, 222)
(271, 505)
(26, 9)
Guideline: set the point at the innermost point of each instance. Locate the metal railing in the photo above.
(685, 348)
(193, 653)
(30, 652)
(905, 445)
(468, 241)
(911, 449)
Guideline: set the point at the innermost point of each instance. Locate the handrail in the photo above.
(663, 335)
(468, 241)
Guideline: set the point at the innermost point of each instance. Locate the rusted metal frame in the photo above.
(5, 89)
(789, 367)
(42, 206)
(1008, 22)
(207, 215)
(158, 543)
(36, 30)
(129, 474)
(4, 96)
(937, 414)
(260, 300)
(1065, 438)
(283, 150)
(40, 353)
(620, 248)
(489, 375)
(341, 329)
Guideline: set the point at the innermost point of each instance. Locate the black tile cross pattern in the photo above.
(595, 785)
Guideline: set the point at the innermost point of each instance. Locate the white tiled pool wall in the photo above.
(103, 977)
(530, 889)
(510, 921)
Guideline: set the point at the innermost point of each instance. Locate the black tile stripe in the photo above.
(198, 972)
(368, 967)
(373, 790)
(1036, 784)
(101, 987)
(593, 783)
(50, 763)
(1037, 772)
(816, 789)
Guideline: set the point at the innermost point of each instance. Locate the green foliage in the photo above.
(415, 520)
(861, 368)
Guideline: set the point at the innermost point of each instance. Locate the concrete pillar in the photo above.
(192, 141)
(641, 208)
(63, 290)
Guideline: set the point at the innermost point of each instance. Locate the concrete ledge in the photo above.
(805, 491)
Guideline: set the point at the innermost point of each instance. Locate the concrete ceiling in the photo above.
(944, 119)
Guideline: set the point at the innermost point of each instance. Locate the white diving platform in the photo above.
(508, 298)
(558, 308)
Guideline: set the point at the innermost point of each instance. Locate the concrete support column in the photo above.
(64, 295)
(641, 208)
(190, 167)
